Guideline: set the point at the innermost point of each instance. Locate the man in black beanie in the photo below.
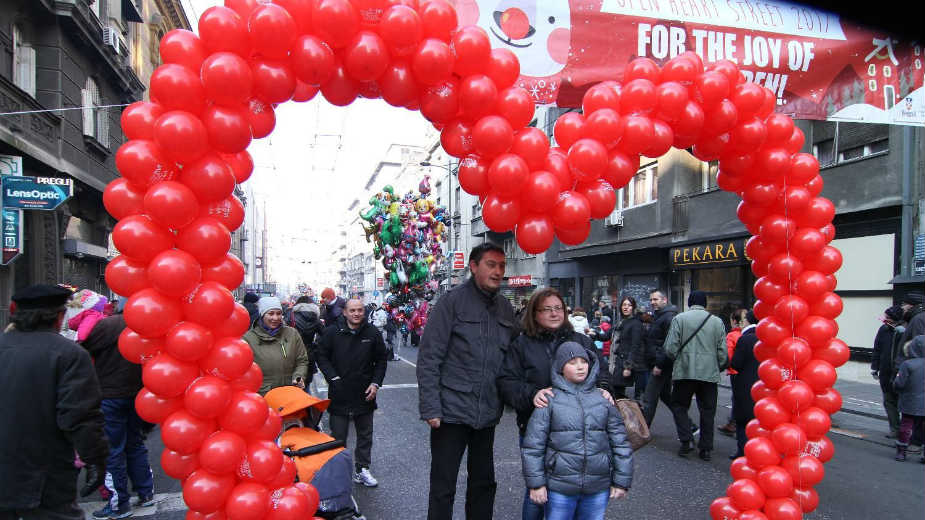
(696, 342)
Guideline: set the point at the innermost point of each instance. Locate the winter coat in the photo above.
(632, 351)
(731, 338)
(461, 353)
(915, 327)
(118, 377)
(84, 322)
(882, 358)
(50, 399)
(705, 355)
(745, 363)
(357, 358)
(527, 367)
(655, 338)
(305, 319)
(577, 444)
(333, 310)
(910, 379)
(282, 357)
(579, 323)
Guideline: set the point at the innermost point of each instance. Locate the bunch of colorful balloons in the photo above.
(215, 92)
(408, 232)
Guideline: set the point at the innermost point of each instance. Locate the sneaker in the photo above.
(124, 511)
(146, 500)
(365, 477)
(695, 430)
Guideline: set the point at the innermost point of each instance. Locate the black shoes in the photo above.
(685, 449)
(705, 455)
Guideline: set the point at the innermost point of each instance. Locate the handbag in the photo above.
(637, 431)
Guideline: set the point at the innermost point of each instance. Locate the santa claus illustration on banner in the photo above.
(538, 33)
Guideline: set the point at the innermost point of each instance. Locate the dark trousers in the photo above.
(363, 426)
(61, 512)
(128, 455)
(640, 382)
(909, 425)
(741, 439)
(447, 445)
(890, 402)
(681, 394)
(657, 388)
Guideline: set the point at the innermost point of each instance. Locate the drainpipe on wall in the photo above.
(905, 262)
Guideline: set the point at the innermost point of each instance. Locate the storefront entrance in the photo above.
(720, 269)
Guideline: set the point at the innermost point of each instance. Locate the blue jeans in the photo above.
(128, 455)
(530, 511)
(576, 507)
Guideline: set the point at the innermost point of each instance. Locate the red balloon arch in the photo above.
(186, 150)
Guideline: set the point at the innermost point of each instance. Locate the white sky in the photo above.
(314, 164)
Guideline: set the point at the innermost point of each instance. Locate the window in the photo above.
(23, 62)
(95, 119)
(825, 152)
(477, 210)
(641, 189)
(708, 171)
(96, 7)
(456, 201)
(864, 150)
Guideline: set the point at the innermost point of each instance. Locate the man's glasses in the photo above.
(551, 310)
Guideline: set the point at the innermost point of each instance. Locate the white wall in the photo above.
(867, 265)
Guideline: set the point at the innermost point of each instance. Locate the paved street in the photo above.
(862, 481)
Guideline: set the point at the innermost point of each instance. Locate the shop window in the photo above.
(641, 189)
(23, 62)
(708, 171)
(95, 119)
(865, 150)
(825, 152)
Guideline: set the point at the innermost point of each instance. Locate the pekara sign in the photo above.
(43, 193)
(710, 254)
(819, 65)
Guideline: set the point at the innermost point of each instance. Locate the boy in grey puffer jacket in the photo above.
(576, 447)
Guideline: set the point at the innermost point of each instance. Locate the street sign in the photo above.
(11, 233)
(44, 193)
(459, 260)
(520, 281)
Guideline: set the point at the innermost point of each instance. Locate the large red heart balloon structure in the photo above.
(218, 91)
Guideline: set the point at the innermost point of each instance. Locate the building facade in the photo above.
(66, 68)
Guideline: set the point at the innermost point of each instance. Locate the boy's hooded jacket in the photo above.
(910, 381)
(577, 444)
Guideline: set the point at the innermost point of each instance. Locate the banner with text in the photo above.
(820, 66)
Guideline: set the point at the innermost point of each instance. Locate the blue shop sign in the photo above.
(46, 193)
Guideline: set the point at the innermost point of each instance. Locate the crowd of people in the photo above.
(559, 371)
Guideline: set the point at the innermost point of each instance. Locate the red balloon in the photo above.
(245, 413)
(366, 57)
(228, 128)
(272, 31)
(151, 314)
(638, 97)
(241, 165)
(775, 481)
(205, 492)
(210, 178)
(807, 243)
(176, 87)
(401, 29)
(835, 352)
(557, 164)
(171, 204)
(637, 134)
(740, 469)
(183, 432)
(286, 475)
(230, 212)
(601, 197)
(341, 89)
(764, 351)
(601, 96)
(754, 430)
(569, 128)
(541, 192)
(760, 453)
(432, 62)
(229, 359)
(688, 127)
(138, 119)
(274, 423)
(783, 268)
(167, 376)
(248, 501)
(662, 139)
(311, 493)
(206, 239)
(748, 135)
(760, 194)
(713, 87)
(235, 325)
(188, 341)
(174, 273)
(815, 185)
(264, 460)
(182, 47)
(790, 310)
(139, 238)
(672, 100)
(472, 50)
(222, 29)
(575, 235)
(764, 288)
(440, 103)
(752, 515)
(808, 499)
(274, 81)
(789, 439)
(803, 168)
(335, 21)
(304, 92)
(438, 18)
(126, 277)
(587, 159)
(620, 169)
(397, 84)
(822, 449)
(178, 465)
(817, 331)
(642, 68)
(122, 199)
(746, 494)
(154, 409)
(515, 105)
(301, 12)
(771, 331)
(770, 412)
(774, 373)
(313, 60)
(507, 175)
(261, 117)
(806, 470)
(571, 211)
(137, 349)
(720, 118)
(222, 452)
(722, 508)
(759, 391)
(828, 261)
(829, 305)
(503, 67)
(794, 353)
(473, 175)
(227, 79)
(535, 233)
(492, 136)
(532, 145)
(209, 304)
(819, 212)
(500, 214)
(814, 421)
(829, 400)
(291, 505)
(229, 273)
(605, 126)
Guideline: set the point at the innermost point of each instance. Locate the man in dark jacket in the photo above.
(915, 318)
(333, 306)
(659, 385)
(746, 365)
(353, 359)
(120, 381)
(461, 353)
(51, 399)
(881, 365)
(306, 318)
(250, 303)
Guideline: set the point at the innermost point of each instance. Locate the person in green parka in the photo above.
(278, 349)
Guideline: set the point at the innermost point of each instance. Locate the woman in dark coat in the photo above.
(628, 357)
(525, 381)
(745, 363)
